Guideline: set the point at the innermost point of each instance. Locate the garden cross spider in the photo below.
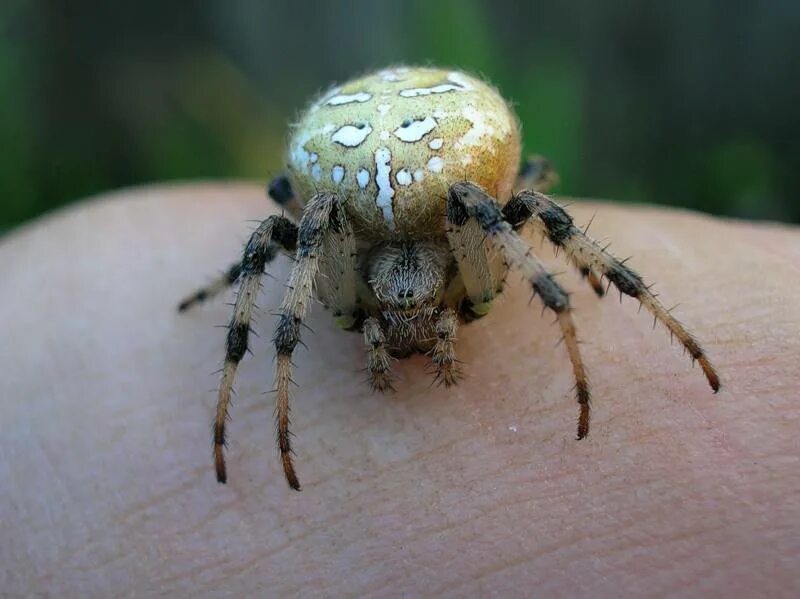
(401, 185)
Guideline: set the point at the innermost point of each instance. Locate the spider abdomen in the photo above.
(389, 144)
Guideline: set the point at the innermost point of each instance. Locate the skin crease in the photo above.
(107, 395)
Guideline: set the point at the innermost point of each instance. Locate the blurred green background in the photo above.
(683, 103)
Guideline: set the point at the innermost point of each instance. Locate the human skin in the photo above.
(106, 400)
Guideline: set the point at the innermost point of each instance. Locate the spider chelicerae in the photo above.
(399, 185)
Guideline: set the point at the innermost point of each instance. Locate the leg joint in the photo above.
(694, 348)
(260, 249)
(456, 211)
(553, 296)
(287, 334)
(627, 281)
(465, 199)
(517, 212)
(284, 232)
(233, 273)
(236, 347)
(560, 226)
(219, 433)
(320, 216)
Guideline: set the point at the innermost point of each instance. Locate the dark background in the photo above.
(688, 103)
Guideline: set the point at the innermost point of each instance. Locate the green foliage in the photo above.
(675, 106)
(18, 163)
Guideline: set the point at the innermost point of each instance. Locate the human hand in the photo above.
(108, 484)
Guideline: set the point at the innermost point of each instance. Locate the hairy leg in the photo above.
(517, 215)
(466, 240)
(378, 358)
(584, 251)
(443, 353)
(337, 282)
(221, 283)
(280, 191)
(467, 200)
(322, 218)
(273, 230)
(537, 173)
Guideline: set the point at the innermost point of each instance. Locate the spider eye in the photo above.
(406, 123)
(360, 125)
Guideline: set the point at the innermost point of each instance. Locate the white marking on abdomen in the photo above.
(384, 108)
(362, 177)
(299, 155)
(351, 136)
(435, 164)
(383, 164)
(460, 79)
(337, 174)
(390, 76)
(480, 128)
(426, 91)
(403, 177)
(316, 172)
(416, 130)
(458, 83)
(328, 94)
(349, 98)
(436, 144)
(419, 175)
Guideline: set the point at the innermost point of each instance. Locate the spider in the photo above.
(404, 224)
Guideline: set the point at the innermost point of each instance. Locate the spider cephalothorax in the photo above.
(401, 185)
(407, 276)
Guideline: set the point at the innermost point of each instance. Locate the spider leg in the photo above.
(257, 251)
(337, 281)
(593, 278)
(280, 190)
(537, 173)
(378, 359)
(443, 354)
(516, 213)
(221, 283)
(322, 219)
(468, 201)
(481, 272)
(584, 251)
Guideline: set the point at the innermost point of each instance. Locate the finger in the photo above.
(106, 401)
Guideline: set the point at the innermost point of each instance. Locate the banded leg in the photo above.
(274, 230)
(280, 190)
(537, 173)
(338, 272)
(220, 284)
(593, 278)
(322, 219)
(443, 354)
(581, 249)
(517, 214)
(378, 359)
(467, 200)
(480, 272)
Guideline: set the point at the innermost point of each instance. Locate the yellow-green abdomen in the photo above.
(389, 144)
